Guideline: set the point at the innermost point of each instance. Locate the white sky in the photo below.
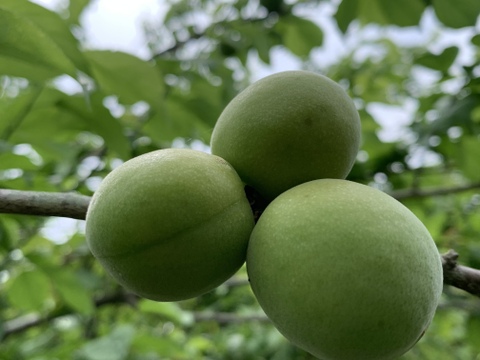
(116, 24)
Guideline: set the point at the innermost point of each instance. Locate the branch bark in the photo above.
(23, 323)
(460, 276)
(422, 193)
(39, 203)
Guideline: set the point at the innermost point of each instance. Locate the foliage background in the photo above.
(412, 67)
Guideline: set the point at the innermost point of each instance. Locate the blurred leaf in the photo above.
(114, 346)
(441, 62)
(347, 12)
(72, 291)
(75, 10)
(176, 121)
(166, 346)
(29, 290)
(97, 119)
(29, 70)
(300, 35)
(53, 26)
(15, 110)
(458, 13)
(402, 13)
(262, 44)
(14, 161)
(128, 77)
(476, 40)
(22, 40)
(473, 332)
(370, 11)
(168, 310)
(467, 154)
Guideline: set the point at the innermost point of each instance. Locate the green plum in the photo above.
(286, 129)
(345, 271)
(170, 224)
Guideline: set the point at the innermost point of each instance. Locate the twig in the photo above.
(418, 193)
(224, 318)
(26, 322)
(69, 205)
(460, 276)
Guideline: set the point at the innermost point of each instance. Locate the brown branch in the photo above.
(225, 318)
(419, 193)
(69, 205)
(26, 322)
(460, 276)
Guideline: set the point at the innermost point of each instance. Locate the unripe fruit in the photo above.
(344, 271)
(287, 129)
(170, 224)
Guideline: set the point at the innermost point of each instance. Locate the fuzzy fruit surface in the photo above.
(170, 224)
(286, 129)
(345, 271)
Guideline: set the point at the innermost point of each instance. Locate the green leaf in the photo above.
(75, 9)
(440, 62)
(14, 161)
(262, 44)
(476, 40)
(458, 13)
(300, 35)
(27, 70)
(114, 346)
(29, 291)
(14, 110)
(174, 121)
(468, 155)
(168, 310)
(22, 40)
(169, 348)
(71, 291)
(97, 119)
(130, 78)
(346, 12)
(370, 11)
(402, 13)
(45, 123)
(473, 332)
(53, 26)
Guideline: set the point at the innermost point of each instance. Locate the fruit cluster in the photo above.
(343, 270)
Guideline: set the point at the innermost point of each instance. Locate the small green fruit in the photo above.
(287, 129)
(170, 224)
(345, 271)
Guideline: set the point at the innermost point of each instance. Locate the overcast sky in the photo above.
(116, 24)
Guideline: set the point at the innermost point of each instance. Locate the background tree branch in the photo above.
(422, 193)
(69, 205)
(23, 323)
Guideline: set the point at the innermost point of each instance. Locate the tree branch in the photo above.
(225, 318)
(44, 203)
(75, 206)
(419, 193)
(460, 276)
(26, 322)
